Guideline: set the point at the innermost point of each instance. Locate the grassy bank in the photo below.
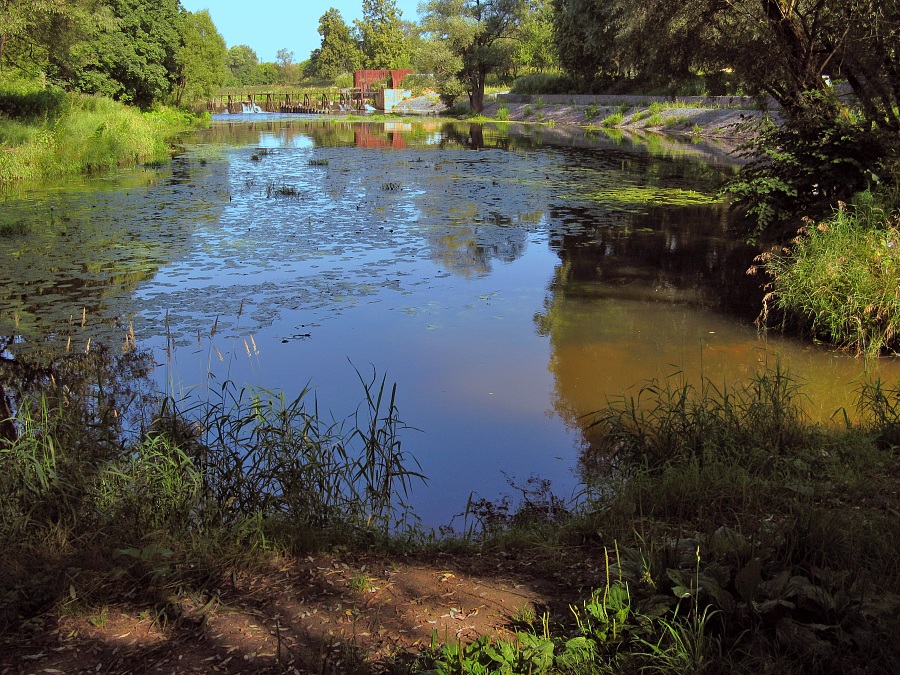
(49, 133)
(840, 278)
(719, 530)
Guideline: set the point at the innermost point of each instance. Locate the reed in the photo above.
(841, 278)
(104, 469)
(84, 134)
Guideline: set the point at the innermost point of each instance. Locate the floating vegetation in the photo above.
(649, 194)
(280, 190)
(16, 227)
(318, 162)
(260, 153)
(390, 186)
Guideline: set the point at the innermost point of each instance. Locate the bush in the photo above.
(344, 81)
(449, 90)
(542, 83)
(807, 164)
(841, 278)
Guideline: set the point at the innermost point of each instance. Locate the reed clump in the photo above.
(732, 534)
(48, 133)
(108, 489)
(840, 279)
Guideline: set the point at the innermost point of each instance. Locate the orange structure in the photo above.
(363, 79)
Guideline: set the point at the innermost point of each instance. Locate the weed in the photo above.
(15, 228)
(281, 190)
(841, 278)
(613, 120)
(503, 113)
(591, 111)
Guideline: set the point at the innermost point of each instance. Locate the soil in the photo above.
(324, 614)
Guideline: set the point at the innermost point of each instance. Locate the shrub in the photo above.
(613, 120)
(841, 277)
(542, 83)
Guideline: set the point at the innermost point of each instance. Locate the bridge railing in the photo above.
(301, 101)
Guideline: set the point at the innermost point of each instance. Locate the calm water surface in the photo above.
(508, 279)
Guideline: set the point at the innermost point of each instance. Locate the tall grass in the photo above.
(81, 134)
(841, 277)
(102, 468)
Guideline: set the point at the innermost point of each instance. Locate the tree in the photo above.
(535, 49)
(339, 51)
(585, 35)
(241, 62)
(131, 53)
(381, 34)
(478, 33)
(202, 58)
(828, 145)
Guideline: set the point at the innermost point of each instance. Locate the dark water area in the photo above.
(509, 278)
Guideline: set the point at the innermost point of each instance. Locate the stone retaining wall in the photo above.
(735, 102)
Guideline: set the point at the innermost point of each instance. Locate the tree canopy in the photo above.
(339, 51)
(478, 33)
(381, 34)
(201, 59)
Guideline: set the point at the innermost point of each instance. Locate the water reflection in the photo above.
(507, 277)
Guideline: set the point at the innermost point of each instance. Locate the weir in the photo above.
(307, 102)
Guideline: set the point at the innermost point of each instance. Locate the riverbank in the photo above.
(719, 531)
(50, 133)
(727, 119)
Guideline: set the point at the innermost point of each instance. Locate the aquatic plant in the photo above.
(87, 134)
(840, 278)
(613, 120)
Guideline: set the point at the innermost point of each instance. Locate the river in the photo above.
(507, 277)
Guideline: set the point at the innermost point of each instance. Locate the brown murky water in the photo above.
(508, 278)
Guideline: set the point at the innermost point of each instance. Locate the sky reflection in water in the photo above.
(507, 280)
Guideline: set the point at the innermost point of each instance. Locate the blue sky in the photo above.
(269, 25)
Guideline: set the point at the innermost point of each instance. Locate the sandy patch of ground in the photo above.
(322, 614)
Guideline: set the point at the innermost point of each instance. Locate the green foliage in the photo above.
(613, 120)
(90, 134)
(242, 63)
(542, 83)
(809, 162)
(841, 277)
(339, 51)
(131, 54)
(477, 35)
(673, 421)
(382, 40)
(202, 58)
(152, 491)
(27, 99)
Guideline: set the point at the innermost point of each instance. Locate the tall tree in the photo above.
(201, 59)
(242, 62)
(131, 53)
(535, 48)
(26, 28)
(478, 33)
(382, 37)
(339, 51)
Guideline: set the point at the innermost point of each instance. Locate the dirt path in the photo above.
(322, 614)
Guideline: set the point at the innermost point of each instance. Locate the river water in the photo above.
(508, 279)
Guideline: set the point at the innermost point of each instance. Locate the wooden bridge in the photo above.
(309, 102)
